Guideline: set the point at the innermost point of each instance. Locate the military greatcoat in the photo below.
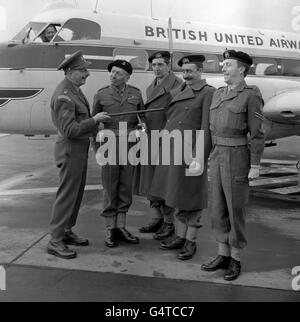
(188, 110)
(158, 96)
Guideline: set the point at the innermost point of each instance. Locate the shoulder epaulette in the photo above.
(255, 89)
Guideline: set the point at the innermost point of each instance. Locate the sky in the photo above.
(281, 15)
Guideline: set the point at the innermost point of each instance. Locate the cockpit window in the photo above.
(30, 31)
(79, 29)
(48, 33)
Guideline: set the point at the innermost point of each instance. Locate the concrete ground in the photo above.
(131, 273)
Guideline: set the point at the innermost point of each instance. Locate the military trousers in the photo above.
(117, 182)
(71, 158)
(229, 168)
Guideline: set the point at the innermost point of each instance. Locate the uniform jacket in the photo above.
(108, 100)
(188, 110)
(70, 112)
(159, 97)
(236, 114)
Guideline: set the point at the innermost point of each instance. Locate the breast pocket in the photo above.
(108, 105)
(237, 117)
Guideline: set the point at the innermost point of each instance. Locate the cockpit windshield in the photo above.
(79, 29)
(73, 29)
(37, 32)
(30, 31)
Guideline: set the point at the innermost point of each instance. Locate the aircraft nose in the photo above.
(284, 107)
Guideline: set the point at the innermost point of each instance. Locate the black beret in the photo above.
(75, 61)
(192, 59)
(238, 55)
(159, 54)
(121, 64)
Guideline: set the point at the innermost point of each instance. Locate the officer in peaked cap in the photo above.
(74, 62)
(236, 129)
(117, 176)
(158, 96)
(71, 116)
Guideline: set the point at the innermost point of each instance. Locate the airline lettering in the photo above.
(214, 38)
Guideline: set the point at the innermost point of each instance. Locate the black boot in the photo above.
(176, 243)
(165, 231)
(220, 262)
(153, 227)
(60, 249)
(125, 235)
(188, 250)
(233, 271)
(110, 240)
(72, 239)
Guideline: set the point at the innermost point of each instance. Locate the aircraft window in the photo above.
(79, 29)
(265, 66)
(211, 64)
(176, 57)
(30, 32)
(290, 67)
(138, 58)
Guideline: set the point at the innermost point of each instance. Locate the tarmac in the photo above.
(132, 273)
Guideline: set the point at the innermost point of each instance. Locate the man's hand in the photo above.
(254, 172)
(141, 127)
(194, 167)
(101, 117)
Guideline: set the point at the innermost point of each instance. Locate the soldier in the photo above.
(188, 110)
(158, 96)
(117, 179)
(71, 115)
(235, 112)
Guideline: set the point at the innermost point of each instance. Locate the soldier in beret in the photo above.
(71, 115)
(187, 192)
(235, 112)
(117, 179)
(158, 96)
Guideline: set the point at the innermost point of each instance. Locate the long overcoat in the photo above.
(158, 96)
(188, 110)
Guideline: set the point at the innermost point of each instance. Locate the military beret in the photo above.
(192, 59)
(159, 54)
(75, 61)
(121, 64)
(238, 55)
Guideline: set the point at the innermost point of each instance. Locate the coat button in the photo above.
(179, 122)
(168, 121)
(186, 108)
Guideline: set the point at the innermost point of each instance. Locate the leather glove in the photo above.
(254, 172)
